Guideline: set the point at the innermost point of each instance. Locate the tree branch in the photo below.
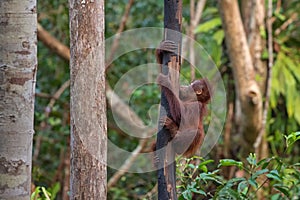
(127, 164)
(199, 11)
(120, 29)
(293, 17)
(53, 44)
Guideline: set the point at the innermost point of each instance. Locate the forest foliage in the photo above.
(205, 176)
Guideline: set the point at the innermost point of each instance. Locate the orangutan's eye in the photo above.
(198, 92)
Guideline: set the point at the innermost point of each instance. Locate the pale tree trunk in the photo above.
(18, 64)
(195, 16)
(88, 103)
(253, 14)
(249, 97)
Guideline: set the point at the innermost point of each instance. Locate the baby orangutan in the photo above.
(187, 110)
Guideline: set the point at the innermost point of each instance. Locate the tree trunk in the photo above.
(247, 89)
(88, 103)
(18, 65)
(253, 14)
(195, 15)
(171, 65)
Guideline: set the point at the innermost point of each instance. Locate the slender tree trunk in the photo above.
(18, 64)
(195, 16)
(171, 66)
(88, 104)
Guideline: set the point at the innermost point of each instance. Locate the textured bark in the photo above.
(253, 14)
(18, 64)
(247, 89)
(171, 65)
(88, 103)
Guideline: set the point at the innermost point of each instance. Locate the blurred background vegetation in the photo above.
(51, 151)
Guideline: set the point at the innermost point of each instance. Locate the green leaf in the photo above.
(230, 162)
(46, 193)
(192, 166)
(35, 194)
(195, 190)
(187, 194)
(290, 87)
(282, 189)
(219, 36)
(233, 193)
(54, 121)
(203, 168)
(205, 162)
(208, 25)
(253, 183)
(265, 54)
(181, 197)
(297, 109)
(243, 187)
(290, 100)
(274, 175)
(292, 66)
(252, 159)
(276, 197)
(291, 139)
(264, 162)
(235, 180)
(274, 93)
(262, 31)
(278, 75)
(216, 52)
(280, 16)
(55, 190)
(205, 177)
(210, 11)
(259, 172)
(210, 177)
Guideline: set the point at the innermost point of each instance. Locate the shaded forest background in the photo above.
(51, 153)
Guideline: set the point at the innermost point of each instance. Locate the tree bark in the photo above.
(247, 89)
(253, 14)
(18, 65)
(195, 16)
(171, 66)
(88, 103)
